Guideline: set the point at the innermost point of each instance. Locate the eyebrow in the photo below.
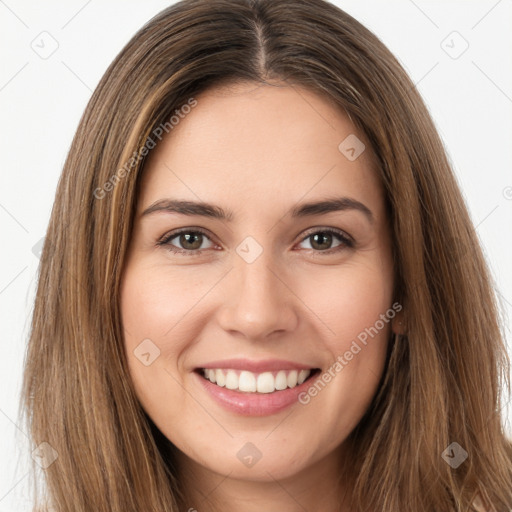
(216, 212)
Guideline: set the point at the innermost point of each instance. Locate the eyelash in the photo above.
(346, 241)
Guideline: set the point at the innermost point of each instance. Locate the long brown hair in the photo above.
(443, 377)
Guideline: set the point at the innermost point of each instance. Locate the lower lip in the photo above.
(254, 404)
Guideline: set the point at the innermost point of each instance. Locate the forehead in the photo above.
(261, 144)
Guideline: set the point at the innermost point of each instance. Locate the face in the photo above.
(284, 305)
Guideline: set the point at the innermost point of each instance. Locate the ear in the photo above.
(398, 324)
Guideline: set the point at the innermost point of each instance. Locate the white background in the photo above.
(41, 101)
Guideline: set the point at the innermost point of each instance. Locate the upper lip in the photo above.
(266, 365)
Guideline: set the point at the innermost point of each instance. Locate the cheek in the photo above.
(156, 305)
(150, 311)
(354, 305)
(347, 301)
(154, 311)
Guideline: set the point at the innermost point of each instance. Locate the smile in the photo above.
(251, 387)
(250, 382)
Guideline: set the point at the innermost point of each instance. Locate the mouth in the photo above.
(249, 387)
(267, 382)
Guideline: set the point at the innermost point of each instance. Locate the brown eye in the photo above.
(187, 241)
(191, 241)
(322, 240)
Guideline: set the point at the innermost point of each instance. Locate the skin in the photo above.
(258, 150)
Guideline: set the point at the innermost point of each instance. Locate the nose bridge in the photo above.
(258, 279)
(259, 301)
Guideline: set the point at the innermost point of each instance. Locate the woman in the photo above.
(260, 287)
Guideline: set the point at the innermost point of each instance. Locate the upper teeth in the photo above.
(265, 382)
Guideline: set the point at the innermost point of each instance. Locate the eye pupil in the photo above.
(187, 238)
(325, 237)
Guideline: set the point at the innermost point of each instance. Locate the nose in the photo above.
(260, 301)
